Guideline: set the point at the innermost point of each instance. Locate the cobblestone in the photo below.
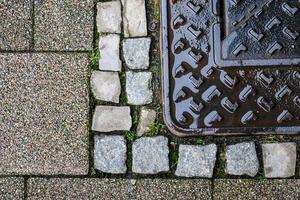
(134, 18)
(138, 88)
(12, 188)
(106, 86)
(16, 22)
(150, 155)
(110, 154)
(242, 159)
(64, 25)
(44, 112)
(136, 53)
(279, 160)
(109, 53)
(111, 118)
(147, 118)
(196, 160)
(109, 17)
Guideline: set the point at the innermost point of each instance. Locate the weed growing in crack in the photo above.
(174, 154)
(200, 141)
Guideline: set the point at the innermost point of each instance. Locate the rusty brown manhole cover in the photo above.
(231, 66)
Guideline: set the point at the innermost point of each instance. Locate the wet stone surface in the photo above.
(110, 154)
(16, 22)
(196, 160)
(150, 155)
(241, 159)
(44, 112)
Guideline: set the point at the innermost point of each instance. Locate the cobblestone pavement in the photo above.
(80, 114)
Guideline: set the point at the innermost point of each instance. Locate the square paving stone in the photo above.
(242, 159)
(12, 188)
(110, 154)
(44, 114)
(109, 17)
(231, 66)
(279, 159)
(150, 155)
(138, 88)
(106, 86)
(246, 189)
(16, 25)
(136, 52)
(196, 160)
(64, 25)
(123, 189)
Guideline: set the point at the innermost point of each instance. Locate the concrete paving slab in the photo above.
(16, 23)
(12, 188)
(254, 189)
(59, 188)
(44, 114)
(64, 25)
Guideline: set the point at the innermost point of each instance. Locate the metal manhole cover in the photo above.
(231, 66)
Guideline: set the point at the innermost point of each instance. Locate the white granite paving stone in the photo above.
(196, 160)
(109, 17)
(242, 159)
(106, 86)
(111, 118)
(150, 155)
(134, 18)
(136, 52)
(109, 47)
(138, 88)
(147, 118)
(110, 154)
(279, 159)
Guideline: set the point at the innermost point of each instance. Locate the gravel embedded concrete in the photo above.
(138, 88)
(247, 189)
(109, 17)
(110, 154)
(121, 189)
(111, 118)
(150, 155)
(44, 114)
(64, 25)
(134, 18)
(16, 22)
(12, 188)
(136, 52)
(109, 47)
(241, 159)
(106, 86)
(279, 159)
(196, 160)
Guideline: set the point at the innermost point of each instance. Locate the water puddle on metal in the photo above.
(231, 66)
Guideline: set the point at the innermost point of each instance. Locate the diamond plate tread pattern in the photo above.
(205, 98)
